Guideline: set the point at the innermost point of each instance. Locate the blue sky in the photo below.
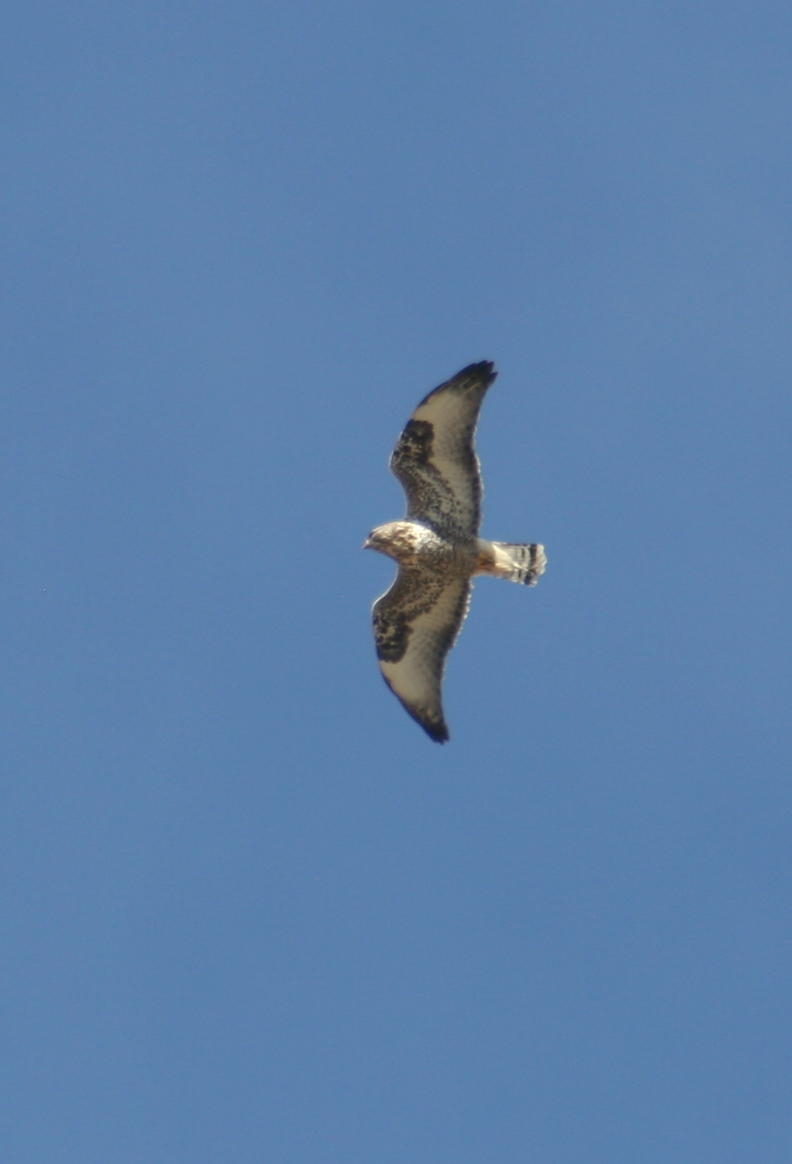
(248, 911)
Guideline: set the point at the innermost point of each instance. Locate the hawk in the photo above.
(437, 546)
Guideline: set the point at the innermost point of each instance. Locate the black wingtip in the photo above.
(485, 369)
(435, 729)
(478, 375)
(439, 735)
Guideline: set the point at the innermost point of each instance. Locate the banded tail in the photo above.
(513, 560)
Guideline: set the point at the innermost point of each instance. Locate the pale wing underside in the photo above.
(434, 458)
(415, 626)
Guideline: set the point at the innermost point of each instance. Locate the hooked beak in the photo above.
(368, 544)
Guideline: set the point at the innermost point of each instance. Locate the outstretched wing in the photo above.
(416, 624)
(435, 460)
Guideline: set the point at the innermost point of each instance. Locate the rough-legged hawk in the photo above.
(437, 547)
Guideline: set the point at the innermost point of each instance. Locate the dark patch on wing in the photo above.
(413, 593)
(435, 460)
(420, 645)
(391, 634)
(415, 443)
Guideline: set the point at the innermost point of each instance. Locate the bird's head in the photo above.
(380, 539)
(397, 539)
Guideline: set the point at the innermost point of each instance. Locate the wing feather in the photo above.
(435, 460)
(416, 623)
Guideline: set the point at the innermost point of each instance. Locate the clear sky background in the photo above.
(250, 913)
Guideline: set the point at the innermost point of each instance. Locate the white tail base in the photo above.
(519, 562)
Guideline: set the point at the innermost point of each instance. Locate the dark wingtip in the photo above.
(481, 374)
(485, 369)
(438, 734)
(435, 729)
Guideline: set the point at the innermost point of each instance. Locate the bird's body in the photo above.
(437, 546)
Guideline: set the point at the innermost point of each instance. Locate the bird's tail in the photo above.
(516, 561)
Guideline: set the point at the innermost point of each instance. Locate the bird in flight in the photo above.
(437, 546)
